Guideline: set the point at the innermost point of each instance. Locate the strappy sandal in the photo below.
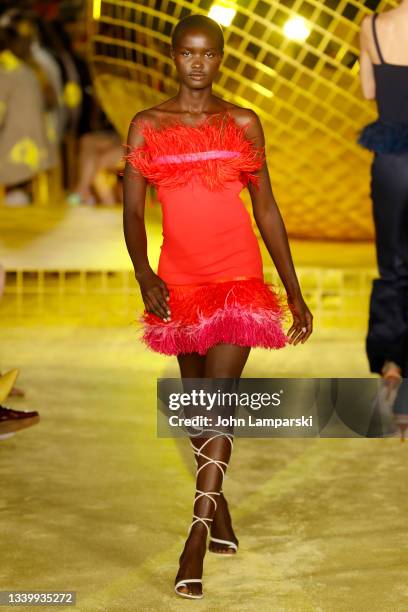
(198, 519)
(391, 372)
(183, 583)
(401, 421)
(231, 545)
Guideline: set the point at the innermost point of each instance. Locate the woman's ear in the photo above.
(172, 53)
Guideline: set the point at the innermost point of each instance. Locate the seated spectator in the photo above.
(98, 152)
(24, 147)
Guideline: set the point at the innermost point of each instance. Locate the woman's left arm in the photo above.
(367, 79)
(272, 229)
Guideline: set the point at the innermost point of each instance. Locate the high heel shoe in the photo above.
(184, 582)
(391, 374)
(198, 519)
(218, 546)
(391, 380)
(231, 545)
(401, 421)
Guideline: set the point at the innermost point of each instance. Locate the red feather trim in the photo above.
(178, 138)
(243, 312)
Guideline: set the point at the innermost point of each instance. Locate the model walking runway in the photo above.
(208, 303)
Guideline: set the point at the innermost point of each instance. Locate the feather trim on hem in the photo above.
(242, 312)
(160, 159)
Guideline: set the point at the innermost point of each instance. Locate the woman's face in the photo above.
(197, 58)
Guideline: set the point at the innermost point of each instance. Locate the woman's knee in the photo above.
(192, 365)
(226, 361)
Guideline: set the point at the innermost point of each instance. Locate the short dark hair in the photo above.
(198, 21)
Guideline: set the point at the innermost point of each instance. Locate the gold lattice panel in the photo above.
(306, 93)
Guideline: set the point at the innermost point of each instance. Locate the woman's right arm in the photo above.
(367, 79)
(153, 288)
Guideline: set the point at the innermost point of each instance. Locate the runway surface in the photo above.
(92, 501)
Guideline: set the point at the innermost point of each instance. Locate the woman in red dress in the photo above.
(208, 304)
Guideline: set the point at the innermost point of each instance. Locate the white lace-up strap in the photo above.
(207, 494)
(216, 462)
(198, 450)
(200, 519)
(198, 453)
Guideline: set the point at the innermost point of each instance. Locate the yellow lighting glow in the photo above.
(296, 28)
(96, 9)
(222, 14)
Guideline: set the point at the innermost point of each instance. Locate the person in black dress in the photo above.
(384, 77)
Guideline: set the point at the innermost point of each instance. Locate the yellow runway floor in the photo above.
(92, 501)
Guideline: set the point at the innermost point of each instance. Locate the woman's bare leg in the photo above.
(108, 160)
(193, 366)
(221, 527)
(221, 361)
(91, 148)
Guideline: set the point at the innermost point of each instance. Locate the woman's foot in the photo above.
(391, 370)
(191, 562)
(401, 421)
(76, 198)
(221, 529)
(392, 375)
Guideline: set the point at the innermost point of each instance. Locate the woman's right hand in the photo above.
(302, 325)
(154, 293)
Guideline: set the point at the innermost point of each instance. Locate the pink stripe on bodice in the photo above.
(190, 157)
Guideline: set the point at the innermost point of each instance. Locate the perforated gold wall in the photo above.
(307, 94)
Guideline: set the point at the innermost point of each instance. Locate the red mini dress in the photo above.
(210, 258)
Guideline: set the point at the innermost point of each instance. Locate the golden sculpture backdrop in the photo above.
(294, 62)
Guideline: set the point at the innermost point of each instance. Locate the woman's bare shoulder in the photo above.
(384, 18)
(247, 118)
(148, 115)
(242, 116)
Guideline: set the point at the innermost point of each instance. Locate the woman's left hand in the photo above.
(302, 325)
